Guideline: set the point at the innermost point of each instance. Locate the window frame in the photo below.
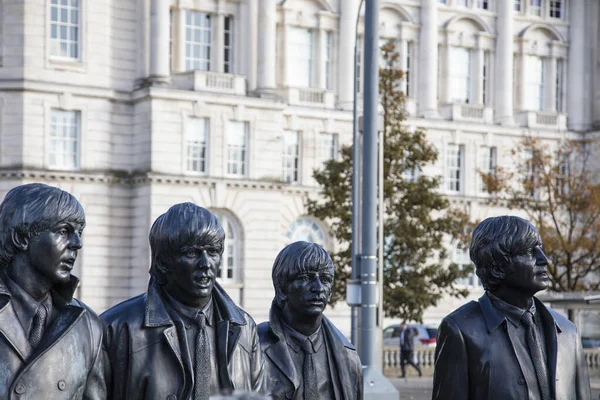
(80, 32)
(454, 75)
(291, 174)
(245, 151)
(292, 53)
(77, 140)
(455, 184)
(488, 161)
(187, 145)
(553, 9)
(189, 59)
(332, 152)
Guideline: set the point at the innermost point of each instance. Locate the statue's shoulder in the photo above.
(465, 315)
(126, 311)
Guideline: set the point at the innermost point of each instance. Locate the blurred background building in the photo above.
(135, 105)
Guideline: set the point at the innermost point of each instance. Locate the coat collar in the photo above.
(493, 317)
(70, 313)
(278, 350)
(156, 313)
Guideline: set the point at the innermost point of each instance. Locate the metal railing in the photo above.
(425, 357)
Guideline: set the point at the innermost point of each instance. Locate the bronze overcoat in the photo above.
(145, 361)
(283, 379)
(67, 364)
(475, 358)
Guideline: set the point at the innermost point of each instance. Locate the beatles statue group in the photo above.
(184, 338)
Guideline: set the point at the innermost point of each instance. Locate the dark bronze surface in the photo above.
(479, 353)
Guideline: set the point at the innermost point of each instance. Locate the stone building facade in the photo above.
(134, 105)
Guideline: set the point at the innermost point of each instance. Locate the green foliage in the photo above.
(559, 190)
(417, 217)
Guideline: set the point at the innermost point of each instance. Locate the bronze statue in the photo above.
(50, 346)
(184, 338)
(307, 356)
(509, 346)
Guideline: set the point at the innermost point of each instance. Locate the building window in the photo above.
(518, 5)
(228, 45)
(237, 148)
(460, 74)
(556, 9)
(559, 85)
(301, 56)
(65, 28)
(534, 83)
(483, 4)
(329, 146)
(291, 156)
(408, 72)
(197, 41)
(462, 3)
(196, 144)
(328, 60)
(64, 139)
(304, 229)
(487, 164)
(536, 7)
(462, 259)
(443, 1)
(454, 168)
(485, 77)
(230, 261)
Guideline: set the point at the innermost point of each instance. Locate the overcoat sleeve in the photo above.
(95, 388)
(583, 380)
(258, 372)
(451, 374)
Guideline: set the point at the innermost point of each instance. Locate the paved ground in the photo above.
(414, 388)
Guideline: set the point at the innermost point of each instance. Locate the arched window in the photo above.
(305, 229)
(230, 262)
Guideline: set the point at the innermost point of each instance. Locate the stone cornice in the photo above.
(142, 178)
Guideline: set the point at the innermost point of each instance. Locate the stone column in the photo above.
(403, 63)
(477, 83)
(345, 62)
(322, 55)
(267, 29)
(159, 42)
(179, 38)
(251, 45)
(428, 60)
(550, 100)
(504, 64)
(577, 63)
(216, 51)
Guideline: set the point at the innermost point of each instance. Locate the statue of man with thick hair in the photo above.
(307, 356)
(184, 338)
(508, 345)
(50, 343)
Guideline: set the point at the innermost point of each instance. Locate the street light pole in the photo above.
(376, 386)
(356, 189)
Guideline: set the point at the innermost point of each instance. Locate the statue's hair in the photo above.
(184, 224)
(30, 209)
(494, 242)
(295, 259)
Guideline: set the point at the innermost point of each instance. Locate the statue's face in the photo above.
(308, 293)
(529, 274)
(52, 253)
(192, 272)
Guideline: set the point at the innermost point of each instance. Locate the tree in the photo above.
(417, 217)
(558, 188)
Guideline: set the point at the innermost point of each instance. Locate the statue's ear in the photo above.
(20, 241)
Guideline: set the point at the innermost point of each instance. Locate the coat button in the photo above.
(20, 388)
(61, 385)
(171, 397)
(521, 381)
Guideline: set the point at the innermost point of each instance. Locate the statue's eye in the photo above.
(191, 253)
(63, 232)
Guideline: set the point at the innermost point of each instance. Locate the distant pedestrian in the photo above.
(407, 348)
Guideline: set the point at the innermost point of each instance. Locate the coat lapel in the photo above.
(552, 335)
(63, 323)
(340, 356)
(279, 354)
(12, 331)
(222, 337)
